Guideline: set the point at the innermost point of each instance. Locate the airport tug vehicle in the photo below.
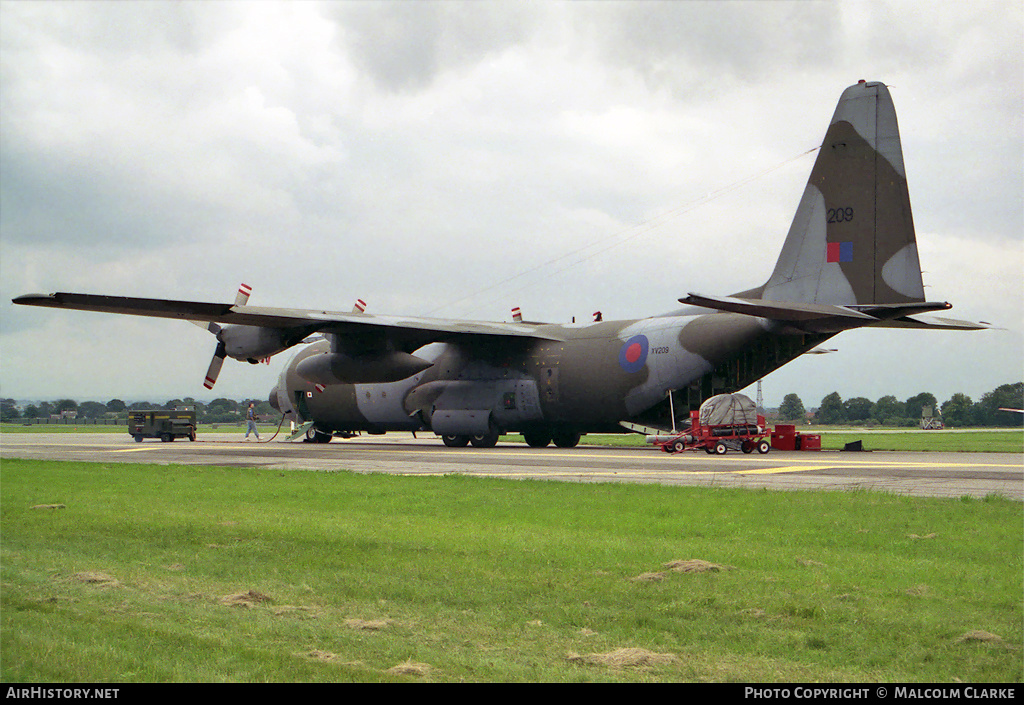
(162, 424)
(724, 422)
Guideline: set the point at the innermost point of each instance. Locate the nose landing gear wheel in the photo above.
(315, 436)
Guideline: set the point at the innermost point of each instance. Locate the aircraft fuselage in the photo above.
(595, 376)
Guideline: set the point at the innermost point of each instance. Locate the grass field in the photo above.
(169, 573)
(972, 441)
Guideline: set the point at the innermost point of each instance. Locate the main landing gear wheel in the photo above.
(488, 441)
(566, 439)
(455, 441)
(536, 440)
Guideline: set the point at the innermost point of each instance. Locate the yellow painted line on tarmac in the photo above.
(792, 463)
(680, 472)
(778, 471)
(545, 472)
(762, 464)
(79, 447)
(608, 473)
(885, 463)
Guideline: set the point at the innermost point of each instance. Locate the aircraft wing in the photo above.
(403, 330)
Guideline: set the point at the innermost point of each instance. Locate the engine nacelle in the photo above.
(341, 368)
(254, 342)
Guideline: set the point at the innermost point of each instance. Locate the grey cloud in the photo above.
(688, 47)
(48, 201)
(404, 46)
(114, 27)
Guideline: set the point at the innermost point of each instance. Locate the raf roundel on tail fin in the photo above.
(852, 240)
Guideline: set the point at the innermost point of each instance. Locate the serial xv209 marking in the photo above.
(849, 260)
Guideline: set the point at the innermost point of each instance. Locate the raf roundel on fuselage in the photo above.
(633, 354)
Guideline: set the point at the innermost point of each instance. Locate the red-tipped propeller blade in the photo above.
(241, 298)
(215, 365)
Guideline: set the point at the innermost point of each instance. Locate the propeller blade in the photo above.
(211, 326)
(242, 297)
(215, 364)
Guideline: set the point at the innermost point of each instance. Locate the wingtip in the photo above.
(32, 298)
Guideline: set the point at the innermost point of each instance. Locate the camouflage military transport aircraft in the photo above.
(850, 260)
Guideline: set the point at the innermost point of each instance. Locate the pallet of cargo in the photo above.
(723, 423)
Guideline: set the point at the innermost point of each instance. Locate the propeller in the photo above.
(241, 298)
(215, 365)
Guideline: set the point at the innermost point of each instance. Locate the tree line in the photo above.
(217, 411)
(956, 412)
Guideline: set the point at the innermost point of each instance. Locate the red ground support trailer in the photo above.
(724, 422)
(786, 437)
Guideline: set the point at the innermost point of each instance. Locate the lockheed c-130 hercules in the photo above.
(850, 260)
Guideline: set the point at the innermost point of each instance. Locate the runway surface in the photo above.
(921, 474)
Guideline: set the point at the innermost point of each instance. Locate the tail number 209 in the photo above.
(840, 215)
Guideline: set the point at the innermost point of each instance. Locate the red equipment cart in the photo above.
(724, 422)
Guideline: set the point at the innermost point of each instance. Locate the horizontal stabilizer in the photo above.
(778, 310)
(886, 311)
(825, 317)
(933, 323)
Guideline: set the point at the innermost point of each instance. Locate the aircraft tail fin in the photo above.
(852, 240)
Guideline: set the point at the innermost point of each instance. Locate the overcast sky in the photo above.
(459, 159)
